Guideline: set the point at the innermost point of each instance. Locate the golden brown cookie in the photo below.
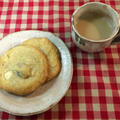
(52, 53)
(24, 69)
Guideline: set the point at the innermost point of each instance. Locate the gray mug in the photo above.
(90, 45)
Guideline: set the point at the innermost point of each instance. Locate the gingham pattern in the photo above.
(95, 88)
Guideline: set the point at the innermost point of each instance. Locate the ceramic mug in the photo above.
(90, 45)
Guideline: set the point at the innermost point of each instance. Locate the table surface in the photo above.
(94, 92)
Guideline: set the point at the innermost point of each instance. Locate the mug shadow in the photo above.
(108, 56)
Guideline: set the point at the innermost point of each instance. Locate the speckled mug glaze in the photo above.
(89, 45)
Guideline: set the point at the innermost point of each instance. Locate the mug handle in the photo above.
(117, 37)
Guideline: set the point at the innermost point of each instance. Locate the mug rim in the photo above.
(101, 40)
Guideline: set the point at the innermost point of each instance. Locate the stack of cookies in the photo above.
(26, 67)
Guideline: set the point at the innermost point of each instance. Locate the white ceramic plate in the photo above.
(49, 94)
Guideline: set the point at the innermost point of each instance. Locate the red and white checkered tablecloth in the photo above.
(95, 89)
